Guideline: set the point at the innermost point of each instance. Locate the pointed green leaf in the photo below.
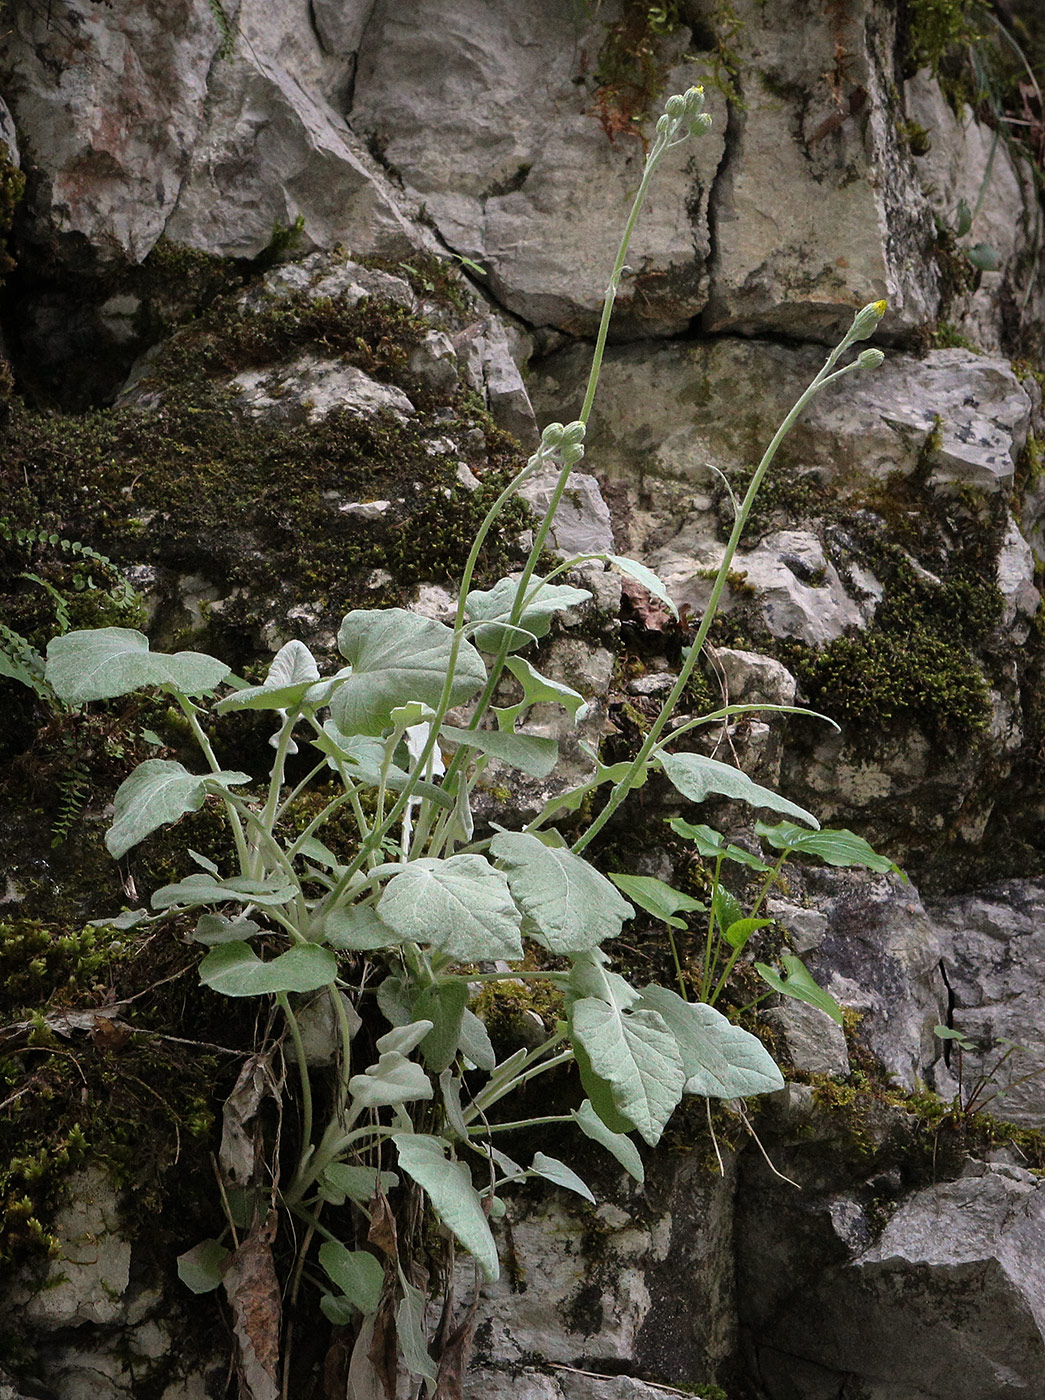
(636, 1054)
(713, 844)
(357, 1273)
(649, 580)
(291, 675)
(109, 661)
(540, 690)
(443, 1004)
(619, 1144)
(657, 898)
(461, 906)
(393, 1080)
(362, 758)
(493, 608)
(475, 1042)
(212, 929)
(727, 909)
(397, 656)
(159, 791)
(532, 755)
(410, 1332)
(573, 906)
(235, 970)
(453, 1197)
(696, 777)
(202, 1267)
(835, 846)
(204, 889)
(800, 985)
(404, 1039)
(341, 1181)
(738, 933)
(719, 1060)
(560, 1174)
(356, 928)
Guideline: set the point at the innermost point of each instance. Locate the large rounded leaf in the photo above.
(720, 1060)
(235, 970)
(573, 906)
(461, 906)
(110, 661)
(636, 1054)
(396, 657)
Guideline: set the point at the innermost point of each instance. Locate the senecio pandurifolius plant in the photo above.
(396, 930)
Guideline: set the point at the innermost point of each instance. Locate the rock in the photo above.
(993, 950)
(814, 1043)
(817, 209)
(752, 679)
(8, 135)
(582, 522)
(504, 141)
(964, 162)
(89, 1281)
(434, 362)
(309, 388)
(949, 1300)
(495, 374)
(322, 274)
(1016, 573)
(340, 24)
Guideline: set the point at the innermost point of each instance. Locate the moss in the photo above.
(947, 337)
(12, 188)
(936, 29)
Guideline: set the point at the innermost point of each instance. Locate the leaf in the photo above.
(108, 661)
(404, 1039)
(410, 1329)
(695, 777)
(443, 1004)
(493, 607)
(713, 844)
(204, 889)
(235, 970)
(201, 1267)
(719, 1060)
(636, 1054)
(727, 909)
(212, 929)
(539, 690)
(159, 791)
(452, 1194)
(558, 1172)
(341, 1180)
(475, 1042)
(397, 656)
(363, 758)
(800, 985)
(984, 256)
(657, 898)
(649, 580)
(255, 1301)
(393, 1080)
(835, 846)
(962, 219)
(618, 1144)
(356, 1272)
(574, 907)
(532, 755)
(292, 674)
(738, 933)
(461, 906)
(357, 928)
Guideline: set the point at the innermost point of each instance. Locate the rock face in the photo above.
(311, 262)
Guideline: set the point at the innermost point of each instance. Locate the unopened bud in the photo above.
(865, 322)
(573, 433)
(700, 124)
(572, 452)
(694, 99)
(675, 106)
(552, 435)
(870, 359)
(663, 124)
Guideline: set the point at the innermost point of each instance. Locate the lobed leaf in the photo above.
(493, 608)
(159, 791)
(461, 906)
(573, 907)
(836, 846)
(357, 1273)
(104, 662)
(393, 1080)
(635, 1053)
(235, 970)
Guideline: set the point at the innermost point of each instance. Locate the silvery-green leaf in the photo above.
(212, 929)
(312, 849)
(130, 918)
(835, 846)
(452, 1194)
(539, 690)
(657, 898)
(235, 970)
(204, 889)
(338, 1311)
(800, 984)
(393, 1080)
(357, 1273)
(450, 1088)
(559, 1173)
(342, 1180)
(493, 608)
(290, 678)
(204, 863)
(636, 1054)
(532, 755)
(159, 791)
(412, 714)
(363, 757)
(713, 844)
(696, 777)
(475, 1042)
(720, 1060)
(356, 928)
(393, 998)
(649, 580)
(589, 978)
(397, 656)
(404, 1039)
(109, 661)
(620, 1145)
(202, 1267)
(410, 1332)
(573, 906)
(292, 665)
(442, 1003)
(461, 906)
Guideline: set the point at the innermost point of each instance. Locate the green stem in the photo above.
(520, 1123)
(306, 1084)
(188, 709)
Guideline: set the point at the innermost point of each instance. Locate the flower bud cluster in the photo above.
(865, 322)
(684, 115)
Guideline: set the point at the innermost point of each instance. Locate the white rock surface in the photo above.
(310, 388)
(90, 1279)
(582, 522)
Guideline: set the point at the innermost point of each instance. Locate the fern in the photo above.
(72, 798)
(228, 34)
